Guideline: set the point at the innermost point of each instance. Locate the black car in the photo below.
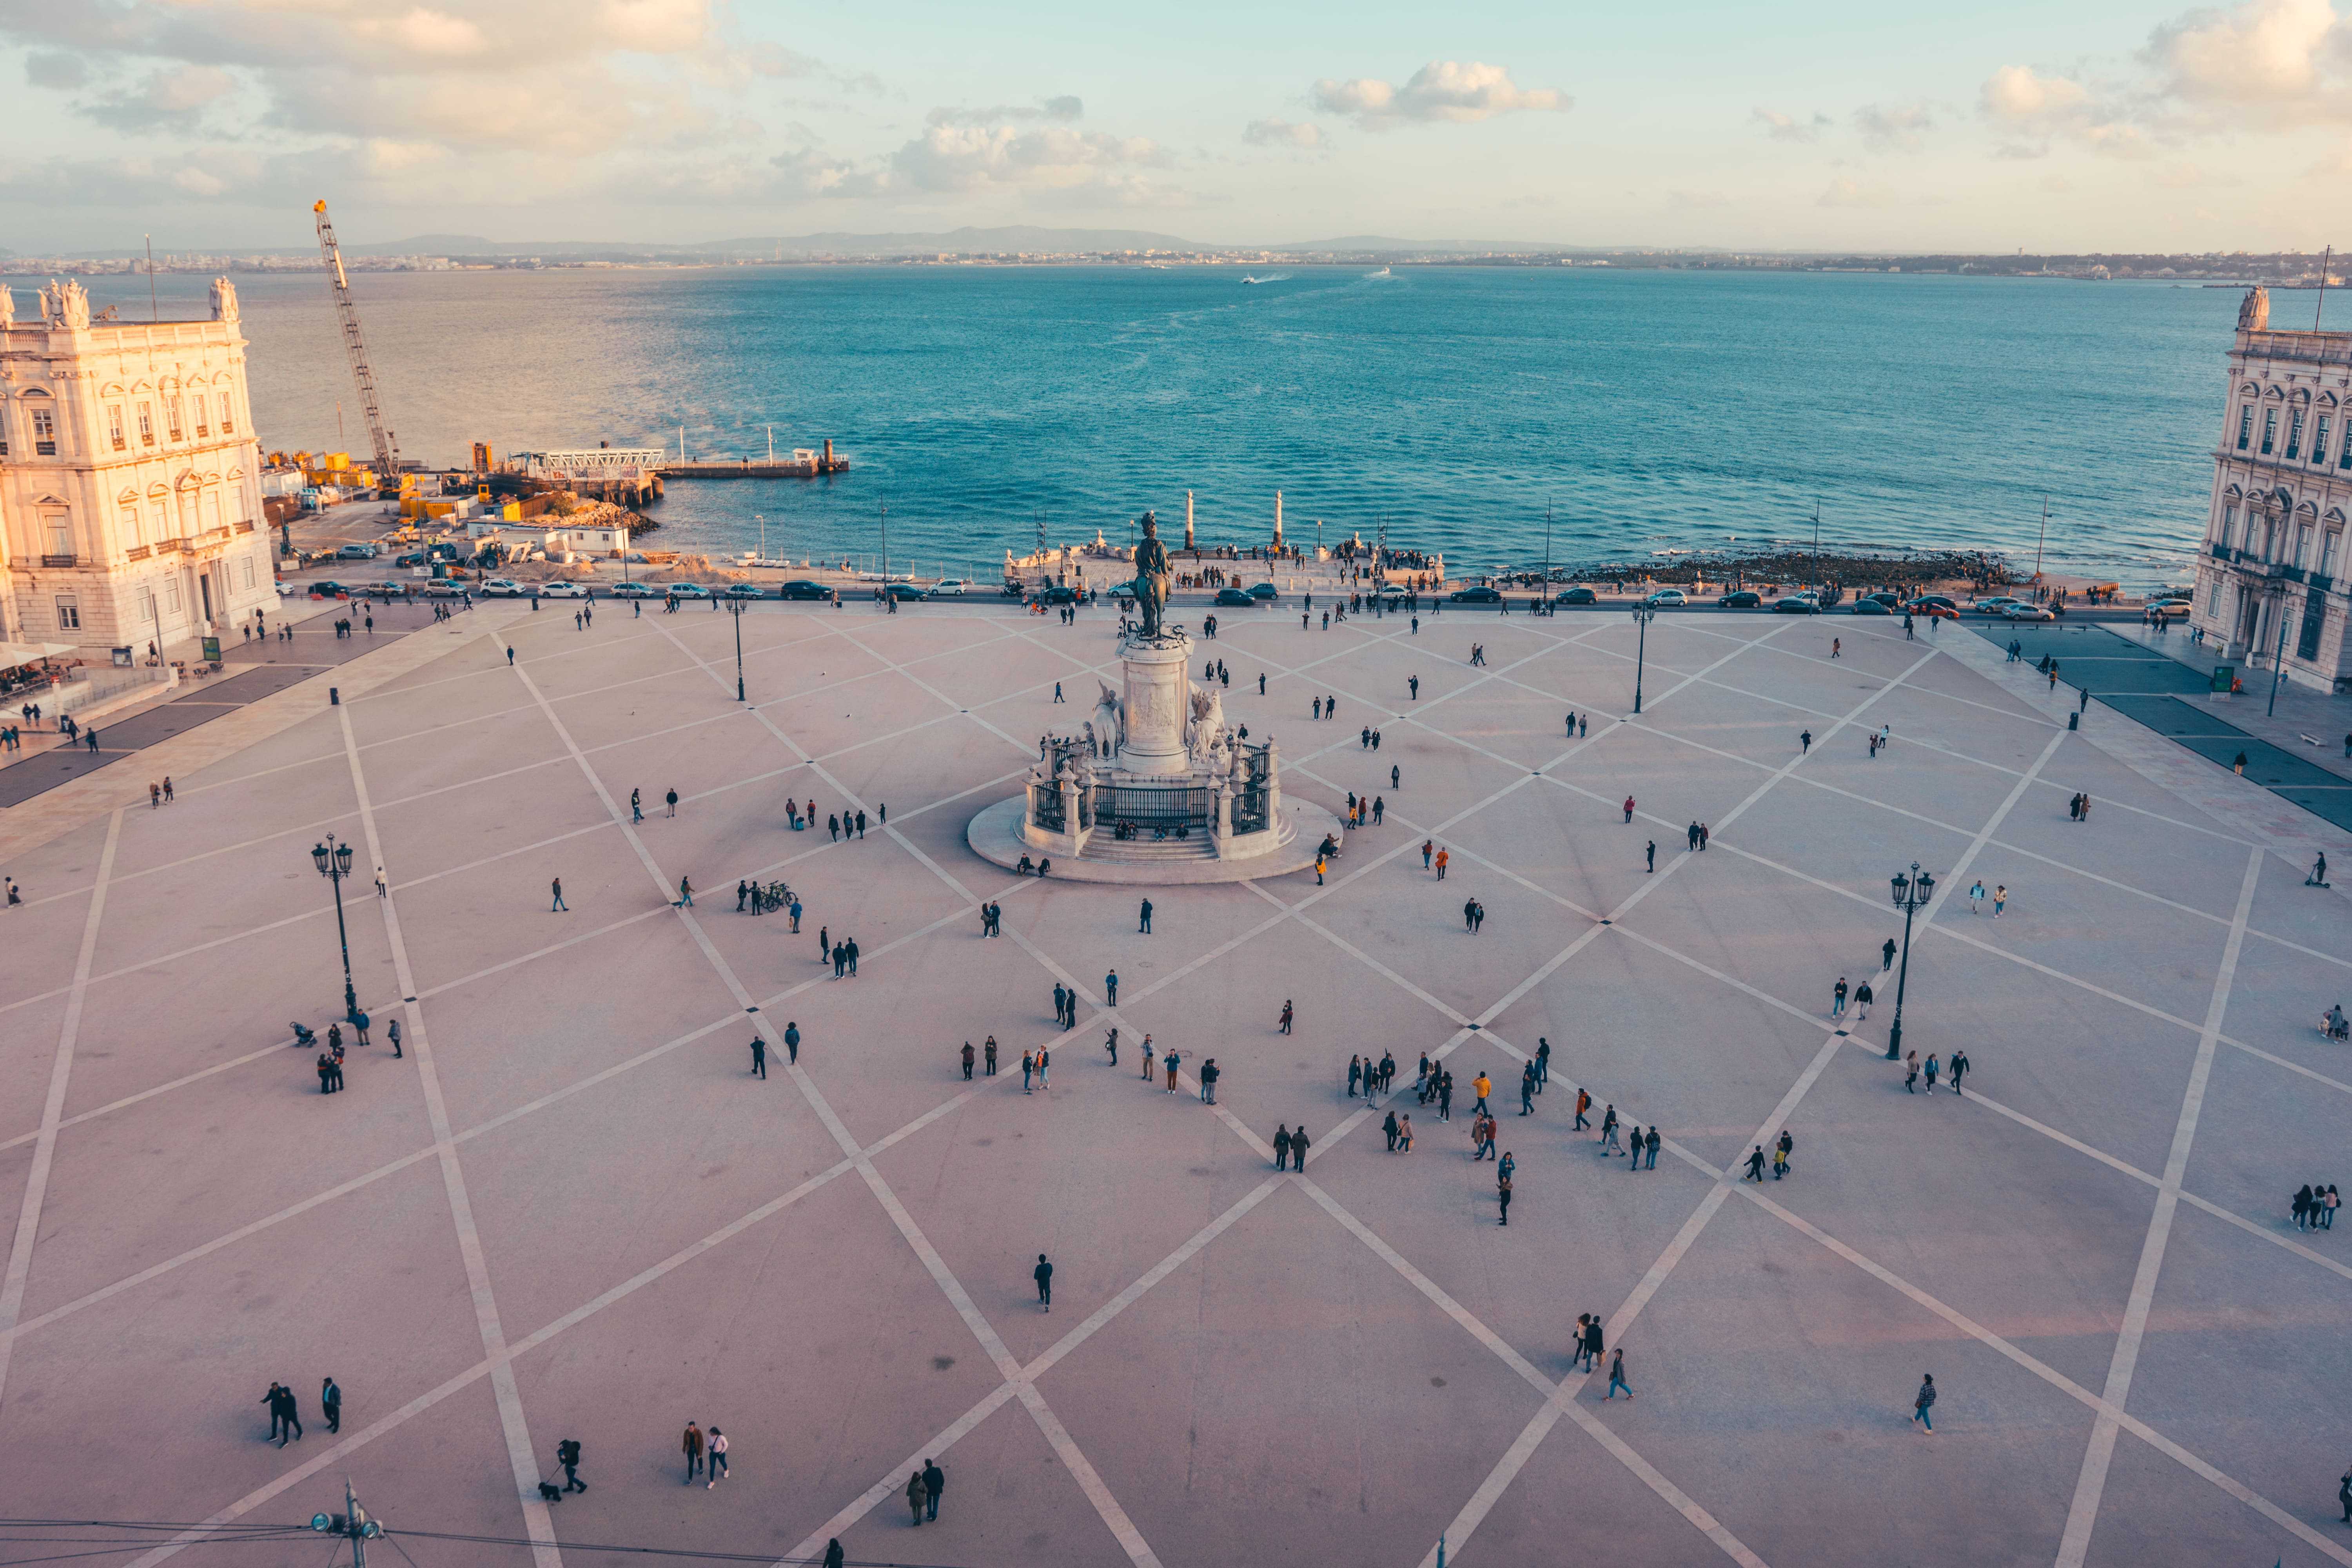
(1235, 597)
(1267, 592)
(902, 591)
(1056, 596)
(330, 590)
(802, 588)
(1926, 602)
(1796, 605)
(1577, 596)
(1870, 607)
(1476, 596)
(1742, 600)
(1892, 601)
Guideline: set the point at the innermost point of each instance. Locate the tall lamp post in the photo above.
(1643, 614)
(735, 609)
(1911, 896)
(334, 863)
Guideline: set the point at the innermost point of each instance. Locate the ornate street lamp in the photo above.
(1911, 896)
(334, 863)
(1643, 614)
(735, 608)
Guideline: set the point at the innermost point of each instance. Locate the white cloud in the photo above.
(2265, 54)
(1062, 109)
(54, 67)
(1901, 127)
(2019, 96)
(172, 99)
(1789, 128)
(1441, 91)
(1844, 192)
(968, 158)
(1277, 132)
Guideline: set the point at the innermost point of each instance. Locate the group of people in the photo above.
(285, 1419)
(2314, 1207)
(1958, 1069)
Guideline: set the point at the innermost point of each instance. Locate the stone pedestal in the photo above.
(1157, 705)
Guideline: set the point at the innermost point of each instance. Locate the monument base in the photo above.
(998, 834)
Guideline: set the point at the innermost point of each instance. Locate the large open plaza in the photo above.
(570, 1210)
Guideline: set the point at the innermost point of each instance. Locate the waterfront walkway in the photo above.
(570, 1210)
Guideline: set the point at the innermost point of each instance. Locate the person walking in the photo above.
(1837, 998)
(718, 1446)
(560, 906)
(1288, 1016)
(391, 1038)
(1925, 1401)
(1975, 899)
(1629, 808)
(1755, 1166)
(935, 1481)
(1999, 899)
(1956, 1068)
(1887, 955)
(1282, 1146)
(1443, 857)
(672, 797)
(1650, 1146)
(1542, 1062)
(1633, 1147)
(685, 893)
(792, 1043)
(1934, 1069)
(1209, 1074)
(1503, 1196)
(1805, 741)
(759, 1058)
(1617, 1375)
(1583, 1104)
(636, 797)
(1910, 1072)
(1592, 1346)
(1528, 1090)
(692, 1443)
(915, 1497)
(1780, 1152)
(1391, 1129)
(1043, 1275)
(1110, 987)
(1355, 1074)
(1145, 928)
(567, 1454)
(330, 1401)
(1608, 1145)
(1862, 1001)
(1426, 845)
(1650, 857)
(968, 1057)
(1298, 1148)
(988, 1058)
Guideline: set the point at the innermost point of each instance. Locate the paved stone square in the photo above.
(570, 1211)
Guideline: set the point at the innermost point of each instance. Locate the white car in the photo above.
(2170, 609)
(948, 588)
(1674, 597)
(564, 590)
(687, 590)
(2026, 613)
(503, 588)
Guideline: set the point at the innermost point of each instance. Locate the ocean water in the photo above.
(1647, 411)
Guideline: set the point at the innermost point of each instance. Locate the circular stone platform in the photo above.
(995, 835)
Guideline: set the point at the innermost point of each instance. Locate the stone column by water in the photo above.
(1156, 705)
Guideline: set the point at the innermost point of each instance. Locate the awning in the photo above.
(13, 653)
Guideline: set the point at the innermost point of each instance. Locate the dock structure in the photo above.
(624, 475)
(804, 463)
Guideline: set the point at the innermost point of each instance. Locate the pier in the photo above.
(802, 464)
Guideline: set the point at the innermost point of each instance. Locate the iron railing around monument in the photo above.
(1045, 806)
(1252, 790)
(1153, 805)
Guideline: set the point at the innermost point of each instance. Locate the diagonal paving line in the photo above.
(1113, 1516)
(537, 1522)
(45, 1149)
(2083, 1517)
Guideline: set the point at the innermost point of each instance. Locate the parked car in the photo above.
(1059, 593)
(413, 558)
(2170, 609)
(503, 588)
(1870, 607)
(687, 590)
(949, 588)
(1235, 597)
(1476, 596)
(1892, 601)
(901, 591)
(1924, 602)
(327, 589)
(743, 591)
(563, 591)
(357, 553)
(1993, 606)
(2027, 613)
(1577, 596)
(1743, 599)
(1934, 609)
(634, 590)
(1267, 592)
(442, 588)
(802, 588)
(1667, 599)
(1796, 605)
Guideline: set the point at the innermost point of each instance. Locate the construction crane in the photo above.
(387, 445)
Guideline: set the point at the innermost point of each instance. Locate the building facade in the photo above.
(129, 489)
(2271, 576)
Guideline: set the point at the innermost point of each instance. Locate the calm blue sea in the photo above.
(1646, 410)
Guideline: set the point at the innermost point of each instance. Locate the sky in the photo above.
(1979, 125)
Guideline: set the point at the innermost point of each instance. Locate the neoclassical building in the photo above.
(2273, 563)
(130, 497)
